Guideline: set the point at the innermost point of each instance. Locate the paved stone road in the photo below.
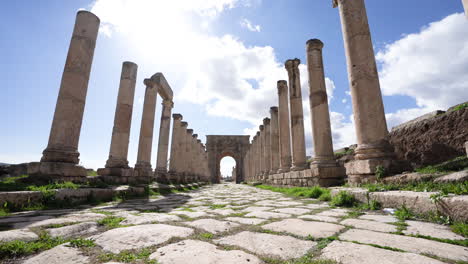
(237, 224)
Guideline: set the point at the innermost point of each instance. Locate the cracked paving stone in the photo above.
(133, 237)
(212, 225)
(284, 247)
(18, 234)
(267, 215)
(73, 230)
(328, 219)
(351, 253)
(59, 255)
(257, 209)
(191, 251)
(246, 221)
(430, 229)
(293, 211)
(411, 244)
(148, 218)
(379, 218)
(369, 225)
(191, 214)
(305, 228)
(334, 213)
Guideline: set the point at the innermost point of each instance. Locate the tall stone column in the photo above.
(183, 152)
(299, 161)
(188, 160)
(321, 128)
(176, 155)
(274, 140)
(117, 164)
(143, 164)
(284, 127)
(261, 150)
(194, 157)
(267, 148)
(368, 108)
(66, 125)
(163, 145)
(256, 156)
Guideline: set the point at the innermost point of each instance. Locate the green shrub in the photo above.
(460, 228)
(325, 196)
(403, 213)
(379, 172)
(81, 242)
(111, 221)
(343, 198)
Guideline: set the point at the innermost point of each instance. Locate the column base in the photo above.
(117, 163)
(161, 176)
(60, 156)
(283, 170)
(376, 150)
(299, 167)
(45, 172)
(364, 171)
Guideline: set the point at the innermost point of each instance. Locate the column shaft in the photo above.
(261, 151)
(66, 125)
(274, 141)
(163, 145)
(176, 157)
(267, 147)
(321, 129)
(284, 129)
(299, 161)
(123, 117)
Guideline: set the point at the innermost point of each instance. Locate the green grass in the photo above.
(128, 256)
(444, 188)
(4, 212)
(217, 206)
(456, 164)
(404, 213)
(17, 248)
(111, 221)
(463, 243)
(343, 198)
(206, 235)
(460, 228)
(460, 107)
(81, 243)
(307, 192)
(344, 153)
(92, 173)
(325, 196)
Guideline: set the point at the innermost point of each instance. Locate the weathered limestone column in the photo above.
(143, 164)
(368, 108)
(117, 164)
(267, 148)
(194, 157)
(465, 6)
(299, 161)
(183, 152)
(261, 152)
(163, 144)
(188, 160)
(321, 128)
(274, 140)
(256, 157)
(66, 125)
(175, 156)
(284, 127)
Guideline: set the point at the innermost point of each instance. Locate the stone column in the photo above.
(255, 156)
(66, 125)
(143, 164)
(183, 152)
(261, 152)
(284, 129)
(163, 145)
(267, 148)
(194, 157)
(465, 6)
(176, 156)
(274, 141)
(117, 164)
(188, 160)
(321, 128)
(299, 161)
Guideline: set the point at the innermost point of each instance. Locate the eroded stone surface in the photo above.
(321, 218)
(379, 218)
(293, 211)
(305, 228)
(140, 236)
(411, 244)
(149, 218)
(192, 251)
(351, 253)
(212, 225)
(284, 247)
(430, 229)
(19, 234)
(73, 230)
(59, 255)
(267, 215)
(246, 221)
(369, 225)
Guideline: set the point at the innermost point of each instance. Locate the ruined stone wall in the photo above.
(432, 140)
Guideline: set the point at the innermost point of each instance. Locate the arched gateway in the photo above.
(219, 147)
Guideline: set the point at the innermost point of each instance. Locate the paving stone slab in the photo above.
(293, 211)
(224, 212)
(334, 213)
(59, 255)
(140, 236)
(191, 214)
(73, 230)
(411, 244)
(316, 206)
(305, 228)
(267, 215)
(328, 219)
(149, 218)
(430, 229)
(18, 234)
(284, 247)
(379, 218)
(191, 251)
(74, 218)
(289, 203)
(246, 221)
(212, 225)
(256, 209)
(369, 225)
(351, 253)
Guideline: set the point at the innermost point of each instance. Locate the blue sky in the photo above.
(222, 59)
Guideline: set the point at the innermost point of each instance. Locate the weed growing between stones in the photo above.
(463, 243)
(343, 198)
(307, 192)
(460, 228)
(444, 188)
(128, 256)
(217, 206)
(81, 243)
(456, 164)
(17, 248)
(111, 222)
(403, 213)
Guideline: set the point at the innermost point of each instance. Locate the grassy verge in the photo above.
(316, 192)
(445, 188)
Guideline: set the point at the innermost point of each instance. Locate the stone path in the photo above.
(229, 223)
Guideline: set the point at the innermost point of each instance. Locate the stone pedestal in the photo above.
(62, 147)
(299, 161)
(284, 129)
(45, 172)
(116, 175)
(368, 108)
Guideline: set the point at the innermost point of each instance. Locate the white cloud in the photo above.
(245, 23)
(429, 66)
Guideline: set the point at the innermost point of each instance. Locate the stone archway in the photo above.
(219, 147)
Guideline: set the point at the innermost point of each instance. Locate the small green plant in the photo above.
(111, 221)
(128, 256)
(460, 107)
(343, 198)
(325, 196)
(81, 242)
(460, 228)
(379, 172)
(206, 235)
(374, 205)
(217, 206)
(403, 213)
(437, 197)
(17, 248)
